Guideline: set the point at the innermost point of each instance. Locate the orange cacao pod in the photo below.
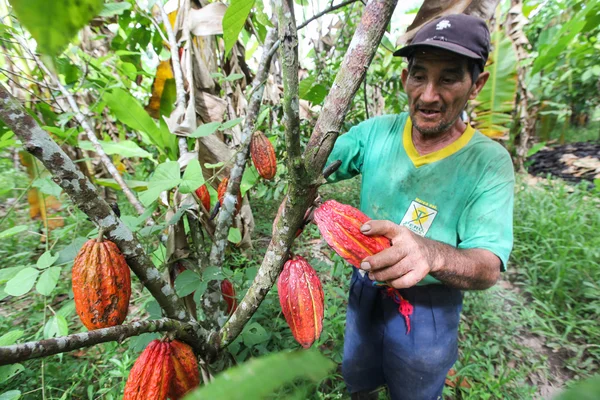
(101, 284)
(204, 196)
(151, 375)
(340, 227)
(185, 370)
(302, 300)
(228, 293)
(221, 193)
(263, 155)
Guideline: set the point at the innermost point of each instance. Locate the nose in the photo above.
(430, 94)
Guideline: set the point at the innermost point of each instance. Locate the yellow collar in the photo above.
(440, 154)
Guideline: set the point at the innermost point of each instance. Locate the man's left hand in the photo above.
(409, 259)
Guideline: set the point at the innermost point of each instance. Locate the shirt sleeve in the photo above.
(350, 149)
(487, 221)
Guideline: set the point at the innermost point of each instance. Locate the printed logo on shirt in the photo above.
(419, 216)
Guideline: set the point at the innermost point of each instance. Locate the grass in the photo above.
(553, 298)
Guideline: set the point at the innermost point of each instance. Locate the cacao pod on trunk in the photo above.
(101, 284)
(185, 370)
(263, 155)
(302, 300)
(340, 227)
(204, 196)
(228, 292)
(221, 193)
(151, 375)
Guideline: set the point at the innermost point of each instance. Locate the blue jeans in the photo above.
(378, 351)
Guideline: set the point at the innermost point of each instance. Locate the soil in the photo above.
(573, 162)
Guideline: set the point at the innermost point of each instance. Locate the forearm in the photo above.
(469, 269)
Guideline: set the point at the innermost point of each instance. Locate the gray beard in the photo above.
(436, 131)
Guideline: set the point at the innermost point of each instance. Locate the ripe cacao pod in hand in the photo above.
(221, 194)
(340, 227)
(263, 155)
(302, 300)
(228, 292)
(151, 375)
(185, 370)
(204, 196)
(101, 284)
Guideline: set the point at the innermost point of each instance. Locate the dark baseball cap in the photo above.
(459, 33)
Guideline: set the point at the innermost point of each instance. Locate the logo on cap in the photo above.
(443, 24)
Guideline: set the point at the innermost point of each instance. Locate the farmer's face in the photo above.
(438, 86)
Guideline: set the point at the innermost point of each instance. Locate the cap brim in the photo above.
(407, 51)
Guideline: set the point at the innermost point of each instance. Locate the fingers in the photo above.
(385, 258)
(390, 273)
(381, 227)
(408, 280)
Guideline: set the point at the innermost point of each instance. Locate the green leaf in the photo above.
(186, 283)
(111, 9)
(54, 23)
(13, 231)
(316, 94)
(304, 86)
(249, 380)
(138, 186)
(68, 254)
(231, 124)
(128, 111)
(9, 371)
(234, 20)
(47, 186)
(140, 342)
(249, 179)
(166, 176)
(46, 260)
(535, 148)
(48, 281)
(10, 338)
(234, 77)
(254, 334)
(179, 213)
(11, 395)
(125, 148)
(212, 274)
(588, 389)
(234, 235)
(199, 292)
(56, 326)
(206, 129)
(7, 274)
(192, 177)
(67, 310)
(217, 165)
(22, 282)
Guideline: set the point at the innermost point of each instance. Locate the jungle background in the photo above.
(104, 83)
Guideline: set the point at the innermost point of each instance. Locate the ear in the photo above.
(479, 84)
(404, 77)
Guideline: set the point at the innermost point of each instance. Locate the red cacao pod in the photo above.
(101, 284)
(263, 155)
(302, 300)
(340, 227)
(228, 293)
(221, 193)
(151, 375)
(185, 370)
(204, 196)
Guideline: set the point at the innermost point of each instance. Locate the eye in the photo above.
(418, 78)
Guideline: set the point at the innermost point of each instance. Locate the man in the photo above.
(443, 194)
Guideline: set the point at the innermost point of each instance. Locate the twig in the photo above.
(48, 347)
(361, 51)
(365, 97)
(288, 36)
(180, 109)
(112, 170)
(225, 218)
(83, 195)
(328, 10)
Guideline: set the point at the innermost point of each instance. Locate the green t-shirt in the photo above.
(461, 195)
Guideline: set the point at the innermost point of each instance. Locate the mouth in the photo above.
(429, 112)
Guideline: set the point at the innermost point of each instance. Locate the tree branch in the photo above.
(361, 51)
(44, 348)
(225, 217)
(112, 170)
(326, 11)
(177, 74)
(288, 37)
(84, 196)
